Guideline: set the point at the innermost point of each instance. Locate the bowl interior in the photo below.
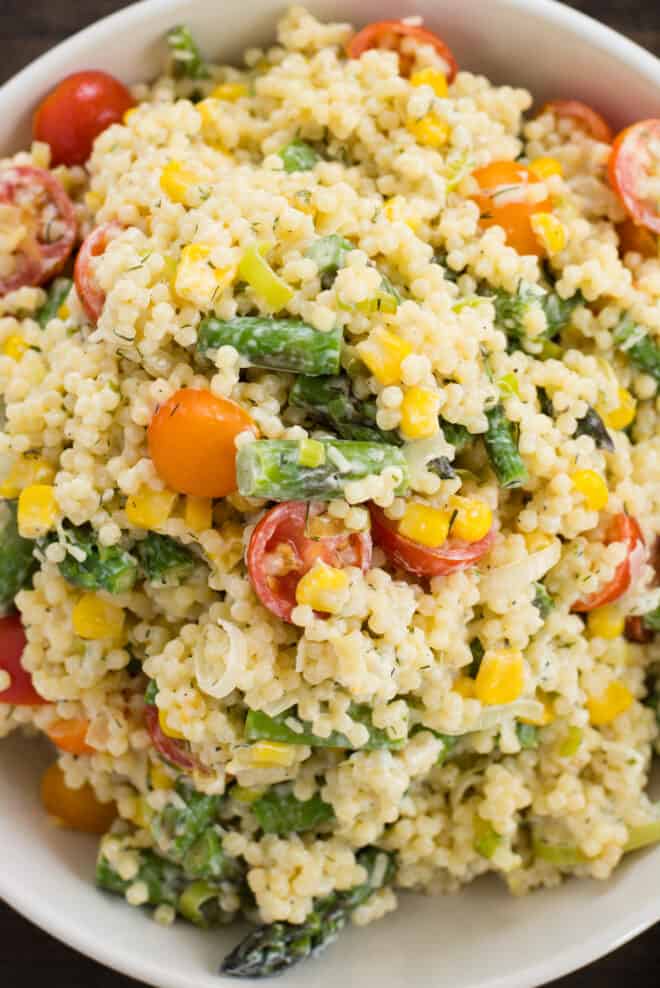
(482, 937)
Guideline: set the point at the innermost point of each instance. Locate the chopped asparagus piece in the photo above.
(165, 560)
(502, 449)
(298, 156)
(96, 567)
(206, 857)
(592, 425)
(486, 838)
(280, 344)
(279, 812)
(184, 819)
(542, 600)
(652, 619)
(164, 881)
(17, 563)
(641, 350)
(330, 402)
(512, 311)
(528, 735)
(187, 59)
(260, 727)
(329, 254)
(478, 652)
(57, 293)
(455, 434)
(199, 903)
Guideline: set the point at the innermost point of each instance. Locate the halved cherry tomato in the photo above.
(42, 210)
(590, 121)
(633, 237)
(173, 751)
(622, 528)
(78, 809)
(635, 154)
(191, 441)
(389, 34)
(20, 692)
(76, 111)
(503, 202)
(90, 293)
(420, 559)
(71, 735)
(280, 553)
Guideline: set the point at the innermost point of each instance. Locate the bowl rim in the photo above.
(45, 913)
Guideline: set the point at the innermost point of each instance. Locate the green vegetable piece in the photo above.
(545, 403)
(558, 311)
(642, 352)
(279, 812)
(260, 727)
(643, 835)
(199, 903)
(543, 602)
(449, 741)
(164, 560)
(298, 156)
(58, 291)
(528, 735)
(559, 855)
(512, 310)
(478, 653)
(455, 434)
(441, 467)
(271, 949)
(572, 741)
(92, 566)
(17, 563)
(163, 879)
(280, 344)
(329, 254)
(151, 692)
(182, 821)
(271, 469)
(386, 299)
(187, 61)
(592, 425)
(502, 450)
(486, 838)
(652, 620)
(329, 401)
(207, 859)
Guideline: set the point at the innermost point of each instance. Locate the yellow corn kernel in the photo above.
(230, 91)
(605, 622)
(431, 131)
(176, 180)
(396, 208)
(37, 510)
(95, 618)
(621, 416)
(419, 413)
(244, 795)
(198, 514)
(150, 509)
(197, 279)
(430, 77)
(132, 110)
(64, 311)
(166, 729)
(322, 588)
(15, 346)
(425, 524)
(24, 471)
(606, 707)
(548, 713)
(383, 353)
(501, 676)
(272, 753)
(536, 541)
(545, 168)
(473, 519)
(549, 231)
(160, 778)
(592, 487)
(465, 686)
(142, 813)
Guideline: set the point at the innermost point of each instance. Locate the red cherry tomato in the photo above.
(20, 692)
(635, 155)
(173, 751)
(389, 34)
(280, 553)
(590, 121)
(46, 213)
(76, 111)
(89, 292)
(419, 559)
(622, 528)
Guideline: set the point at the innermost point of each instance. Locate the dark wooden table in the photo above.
(28, 28)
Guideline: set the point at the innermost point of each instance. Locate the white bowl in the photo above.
(481, 938)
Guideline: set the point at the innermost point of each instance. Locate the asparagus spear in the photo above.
(271, 949)
(57, 293)
(187, 59)
(281, 344)
(260, 727)
(592, 425)
(298, 156)
(279, 812)
(165, 560)
(329, 254)
(329, 401)
(96, 567)
(17, 562)
(641, 350)
(272, 469)
(502, 449)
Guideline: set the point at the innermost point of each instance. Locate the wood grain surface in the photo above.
(30, 957)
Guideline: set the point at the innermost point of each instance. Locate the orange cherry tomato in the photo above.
(633, 237)
(589, 120)
(71, 735)
(634, 157)
(78, 809)
(389, 35)
(76, 111)
(625, 529)
(503, 201)
(191, 442)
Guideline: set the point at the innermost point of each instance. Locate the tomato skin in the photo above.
(191, 442)
(90, 294)
(590, 120)
(628, 157)
(70, 736)
(385, 34)
(633, 237)
(513, 217)
(21, 691)
(622, 528)
(420, 560)
(171, 749)
(76, 111)
(40, 259)
(284, 525)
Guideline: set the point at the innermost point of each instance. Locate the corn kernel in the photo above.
(95, 618)
(501, 677)
(430, 77)
(198, 514)
(383, 353)
(197, 280)
(424, 524)
(142, 813)
(150, 509)
(160, 778)
(605, 622)
(465, 687)
(230, 91)
(592, 487)
(547, 715)
(543, 168)
(37, 510)
(419, 413)
(431, 131)
(311, 453)
(64, 311)
(606, 707)
(272, 753)
(473, 519)
(176, 180)
(15, 346)
(537, 541)
(132, 110)
(571, 743)
(166, 729)
(621, 416)
(549, 231)
(24, 471)
(93, 200)
(322, 588)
